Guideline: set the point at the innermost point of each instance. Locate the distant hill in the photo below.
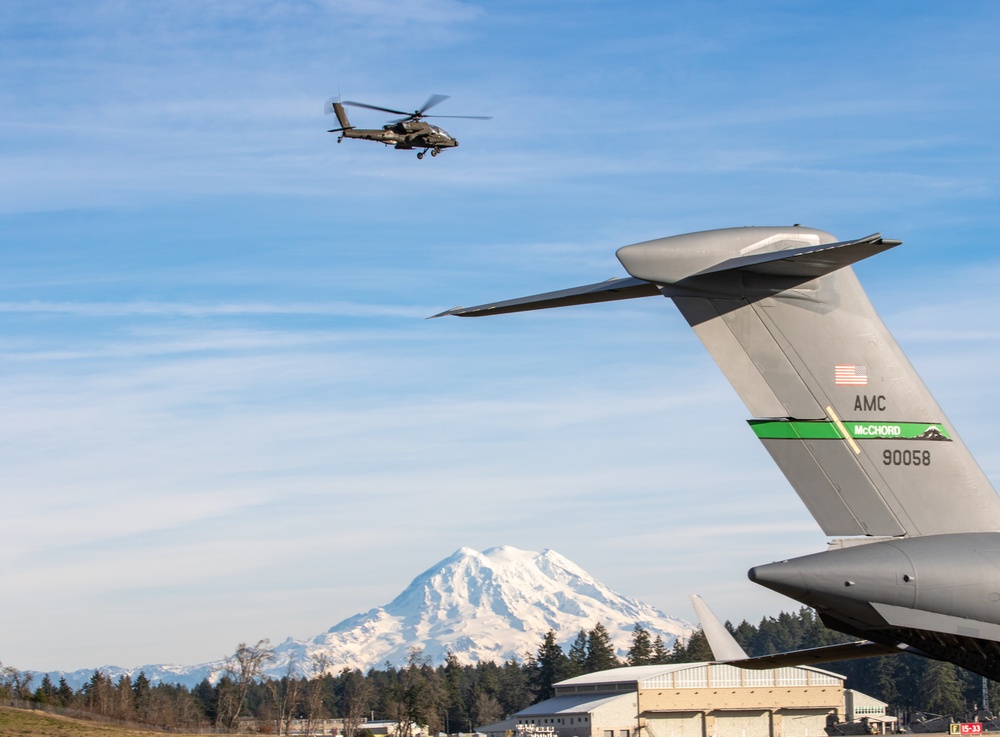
(495, 605)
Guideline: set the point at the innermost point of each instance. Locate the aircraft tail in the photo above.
(834, 399)
(333, 105)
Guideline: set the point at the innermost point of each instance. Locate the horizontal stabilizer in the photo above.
(819, 655)
(605, 291)
(720, 640)
(726, 649)
(808, 261)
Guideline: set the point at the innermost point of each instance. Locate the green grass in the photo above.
(21, 723)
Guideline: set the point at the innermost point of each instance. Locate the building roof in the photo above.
(637, 674)
(628, 674)
(569, 704)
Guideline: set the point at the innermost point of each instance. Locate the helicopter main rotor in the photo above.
(419, 113)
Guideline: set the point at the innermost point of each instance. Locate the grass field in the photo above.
(20, 723)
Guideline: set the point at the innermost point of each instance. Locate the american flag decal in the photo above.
(848, 374)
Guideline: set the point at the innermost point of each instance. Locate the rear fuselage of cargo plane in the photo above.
(915, 563)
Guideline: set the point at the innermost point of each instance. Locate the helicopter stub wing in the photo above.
(605, 291)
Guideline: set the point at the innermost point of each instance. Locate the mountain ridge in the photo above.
(480, 606)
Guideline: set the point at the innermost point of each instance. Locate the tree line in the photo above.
(452, 697)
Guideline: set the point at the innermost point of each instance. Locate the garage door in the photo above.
(743, 724)
(802, 723)
(675, 724)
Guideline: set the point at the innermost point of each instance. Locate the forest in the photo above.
(452, 697)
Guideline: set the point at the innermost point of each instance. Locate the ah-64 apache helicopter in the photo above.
(409, 132)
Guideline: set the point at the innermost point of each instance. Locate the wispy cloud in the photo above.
(168, 309)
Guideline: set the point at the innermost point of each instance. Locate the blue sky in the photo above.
(222, 414)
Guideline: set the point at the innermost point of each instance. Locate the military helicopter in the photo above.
(409, 132)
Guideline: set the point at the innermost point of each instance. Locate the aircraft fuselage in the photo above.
(938, 593)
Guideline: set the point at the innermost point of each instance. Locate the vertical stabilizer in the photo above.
(338, 109)
(835, 401)
(333, 105)
(833, 398)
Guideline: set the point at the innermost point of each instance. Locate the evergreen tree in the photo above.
(660, 656)
(577, 657)
(141, 691)
(941, 690)
(455, 683)
(600, 651)
(514, 687)
(744, 634)
(64, 694)
(485, 692)
(46, 692)
(641, 651)
(550, 666)
(695, 650)
(886, 671)
(207, 696)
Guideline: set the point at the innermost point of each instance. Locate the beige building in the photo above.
(686, 700)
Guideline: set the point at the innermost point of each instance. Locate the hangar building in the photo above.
(686, 700)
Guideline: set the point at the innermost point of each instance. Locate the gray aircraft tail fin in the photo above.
(833, 398)
(835, 401)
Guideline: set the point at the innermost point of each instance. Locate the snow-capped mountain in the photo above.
(495, 605)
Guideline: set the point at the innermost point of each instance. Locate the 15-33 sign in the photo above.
(967, 728)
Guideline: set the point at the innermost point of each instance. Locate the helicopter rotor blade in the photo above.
(431, 102)
(467, 117)
(328, 105)
(376, 107)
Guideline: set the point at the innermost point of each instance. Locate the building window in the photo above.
(623, 733)
(609, 733)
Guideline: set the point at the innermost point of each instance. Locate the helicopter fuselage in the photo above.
(408, 134)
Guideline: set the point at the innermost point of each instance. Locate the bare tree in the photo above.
(356, 699)
(243, 668)
(14, 683)
(487, 709)
(286, 693)
(98, 694)
(420, 695)
(312, 698)
(124, 699)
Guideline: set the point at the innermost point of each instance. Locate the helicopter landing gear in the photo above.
(435, 152)
(421, 154)
(339, 139)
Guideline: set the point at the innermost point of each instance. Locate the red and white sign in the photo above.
(967, 728)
